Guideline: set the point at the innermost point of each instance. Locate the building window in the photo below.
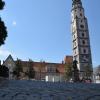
(75, 51)
(82, 34)
(83, 42)
(84, 50)
(74, 36)
(75, 43)
(51, 69)
(82, 26)
(81, 14)
(81, 21)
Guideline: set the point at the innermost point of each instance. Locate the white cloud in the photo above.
(5, 53)
(14, 23)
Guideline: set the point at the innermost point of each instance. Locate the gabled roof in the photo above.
(9, 57)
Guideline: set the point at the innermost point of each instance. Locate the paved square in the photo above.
(37, 90)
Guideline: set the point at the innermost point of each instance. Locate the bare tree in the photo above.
(31, 72)
(68, 71)
(18, 69)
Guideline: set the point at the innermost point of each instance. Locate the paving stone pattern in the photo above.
(37, 90)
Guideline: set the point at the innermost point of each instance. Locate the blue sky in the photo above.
(41, 30)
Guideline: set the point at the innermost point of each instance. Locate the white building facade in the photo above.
(10, 64)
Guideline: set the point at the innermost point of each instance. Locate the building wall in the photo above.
(42, 69)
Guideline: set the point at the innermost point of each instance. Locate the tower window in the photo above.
(75, 43)
(83, 42)
(75, 51)
(84, 50)
(81, 14)
(74, 36)
(82, 34)
(81, 21)
(82, 26)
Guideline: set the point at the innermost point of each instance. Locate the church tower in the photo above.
(80, 37)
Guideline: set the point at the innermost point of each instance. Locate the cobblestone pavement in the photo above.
(36, 90)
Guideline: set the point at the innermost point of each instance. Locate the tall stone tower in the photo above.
(80, 37)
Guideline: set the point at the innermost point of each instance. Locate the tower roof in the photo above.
(76, 2)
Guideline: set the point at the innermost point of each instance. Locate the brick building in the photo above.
(43, 70)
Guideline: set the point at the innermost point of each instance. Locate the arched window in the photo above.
(74, 43)
(83, 42)
(74, 36)
(81, 14)
(84, 50)
(82, 34)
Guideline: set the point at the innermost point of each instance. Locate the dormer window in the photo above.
(75, 44)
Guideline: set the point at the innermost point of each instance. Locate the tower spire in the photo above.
(76, 2)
